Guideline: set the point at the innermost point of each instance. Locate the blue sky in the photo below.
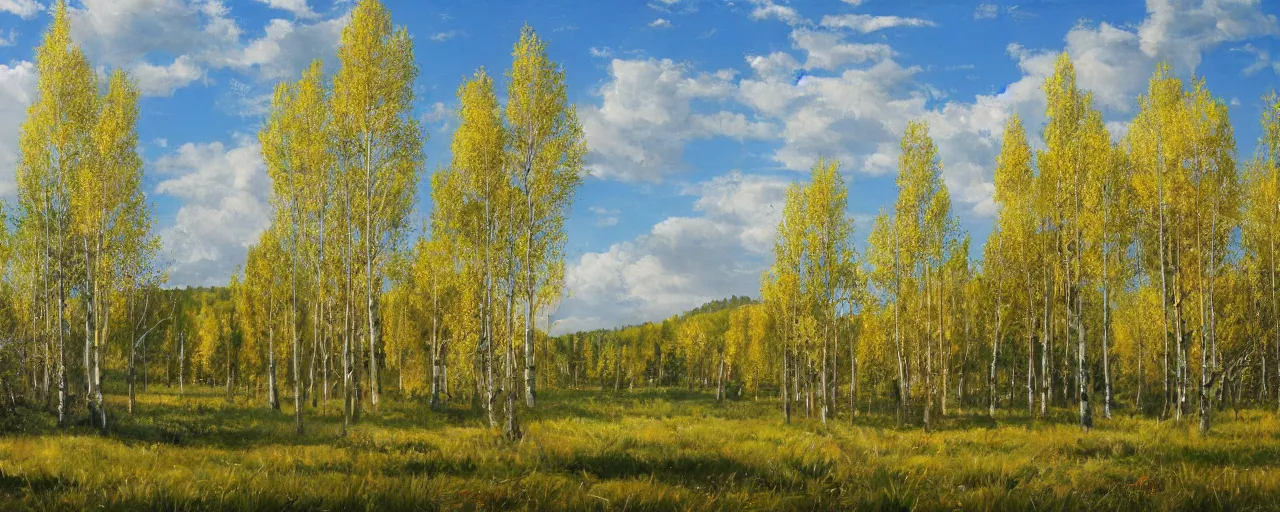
(698, 113)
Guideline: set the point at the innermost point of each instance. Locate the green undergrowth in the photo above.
(632, 450)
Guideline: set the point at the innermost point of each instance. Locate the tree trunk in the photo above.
(230, 397)
(315, 348)
(435, 344)
(1164, 289)
(1106, 331)
(530, 370)
(182, 347)
(825, 396)
(273, 389)
(720, 379)
(786, 397)
(133, 401)
(853, 382)
(995, 358)
(1086, 412)
(897, 331)
(1046, 333)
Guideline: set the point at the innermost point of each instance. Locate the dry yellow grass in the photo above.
(642, 450)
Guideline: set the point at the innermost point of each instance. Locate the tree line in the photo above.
(1134, 272)
(1140, 266)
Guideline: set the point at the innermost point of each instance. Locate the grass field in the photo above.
(639, 450)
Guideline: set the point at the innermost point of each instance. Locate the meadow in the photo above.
(661, 449)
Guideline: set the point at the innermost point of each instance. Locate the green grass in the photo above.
(640, 450)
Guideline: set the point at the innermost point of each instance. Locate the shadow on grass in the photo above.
(14, 486)
(710, 471)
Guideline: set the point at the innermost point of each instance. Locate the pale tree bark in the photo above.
(995, 358)
(897, 331)
(182, 350)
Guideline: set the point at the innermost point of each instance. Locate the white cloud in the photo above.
(286, 49)
(299, 8)
(682, 261)
(601, 53)
(163, 80)
(195, 36)
(753, 203)
(17, 91)
(1117, 129)
(766, 9)
(8, 40)
(441, 37)
(122, 32)
(827, 50)
(224, 194)
(986, 12)
(25, 9)
(439, 112)
(1262, 60)
(1235, 102)
(605, 217)
(866, 23)
(850, 116)
(1182, 30)
(662, 5)
(440, 115)
(1105, 59)
(245, 100)
(647, 115)
(660, 23)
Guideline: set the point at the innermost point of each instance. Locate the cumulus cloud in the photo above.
(156, 80)
(286, 49)
(299, 8)
(647, 114)
(850, 116)
(828, 50)
(122, 32)
(660, 23)
(441, 116)
(682, 261)
(17, 91)
(170, 44)
(1181, 30)
(223, 190)
(25, 9)
(766, 9)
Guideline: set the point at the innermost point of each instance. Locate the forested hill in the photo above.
(707, 345)
(719, 305)
(709, 307)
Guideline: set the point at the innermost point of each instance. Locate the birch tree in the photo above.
(378, 140)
